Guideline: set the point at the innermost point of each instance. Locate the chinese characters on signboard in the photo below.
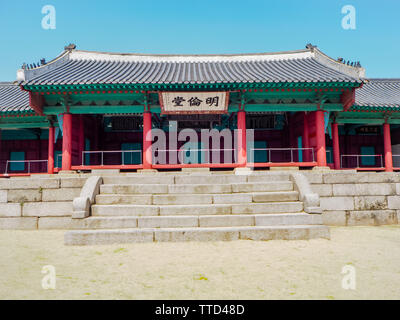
(193, 102)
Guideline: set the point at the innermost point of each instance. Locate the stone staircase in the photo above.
(196, 207)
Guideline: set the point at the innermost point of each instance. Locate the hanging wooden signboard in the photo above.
(194, 102)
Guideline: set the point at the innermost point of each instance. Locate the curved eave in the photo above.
(18, 113)
(395, 108)
(189, 86)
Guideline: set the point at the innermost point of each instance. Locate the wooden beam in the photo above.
(36, 102)
(348, 99)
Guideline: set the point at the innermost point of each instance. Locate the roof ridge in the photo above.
(192, 55)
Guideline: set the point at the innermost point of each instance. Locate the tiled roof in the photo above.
(13, 99)
(84, 67)
(379, 93)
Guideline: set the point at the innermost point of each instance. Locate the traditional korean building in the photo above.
(85, 110)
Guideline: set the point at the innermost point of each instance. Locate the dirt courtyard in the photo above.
(206, 270)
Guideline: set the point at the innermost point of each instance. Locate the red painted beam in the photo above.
(348, 98)
(36, 102)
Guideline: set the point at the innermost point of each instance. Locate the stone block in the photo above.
(73, 182)
(365, 189)
(393, 202)
(182, 199)
(47, 209)
(232, 198)
(337, 203)
(323, 190)
(62, 194)
(266, 208)
(215, 209)
(133, 188)
(260, 186)
(372, 218)
(10, 210)
(226, 221)
(313, 177)
(33, 183)
(28, 195)
(168, 221)
(124, 210)
(334, 218)
(18, 223)
(199, 188)
(196, 234)
(3, 196)
(124, 199)
(370, 203)
(275, 196)
(96, 237)
(55, 223)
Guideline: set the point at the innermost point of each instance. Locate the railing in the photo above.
(206, 155)
(284, 151)
(24, 161)
(357, 161)
(396, 160)
(107, 152)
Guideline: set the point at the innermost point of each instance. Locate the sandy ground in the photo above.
(208, 270)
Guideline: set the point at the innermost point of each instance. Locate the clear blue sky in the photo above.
(202, 26)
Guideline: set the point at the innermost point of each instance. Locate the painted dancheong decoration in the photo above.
(304, 109)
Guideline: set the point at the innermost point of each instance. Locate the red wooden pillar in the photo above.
(306, 138)
(147, 140)
(387, 147)
(336, 149)
(242, 148)
(81, 137)
(67, 142)
(50, 158)
(320, 137)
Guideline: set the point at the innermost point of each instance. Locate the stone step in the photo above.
(167, 199)
(267, 208)
(288, 219)
(210, 179)
(124, 222)
(125, 210)
(103, 199)
(200, 188)
(263, 186)
(140, 179)
(179, 199)
(276, 196)
(196, 209)
(195, 188)
(293, 232)
(133, 188)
